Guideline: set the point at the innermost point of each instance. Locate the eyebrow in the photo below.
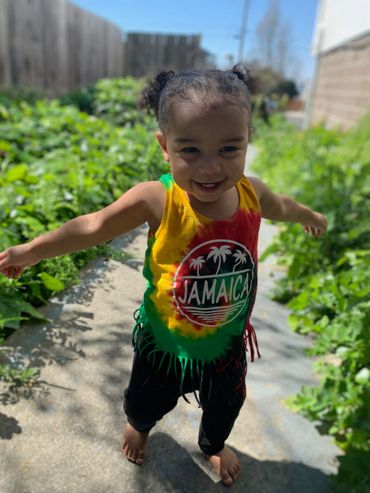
(181, 140)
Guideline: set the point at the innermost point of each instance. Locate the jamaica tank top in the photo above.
(201, 280)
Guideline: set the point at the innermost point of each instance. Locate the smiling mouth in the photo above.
(209, 185)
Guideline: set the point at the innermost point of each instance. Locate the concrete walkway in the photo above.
(63, 434)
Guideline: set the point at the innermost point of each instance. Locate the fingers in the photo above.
(17, 271)
(12, 272)
(8, 265)
(313, 231)
(4, 260)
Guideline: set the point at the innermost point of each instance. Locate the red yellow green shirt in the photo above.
(202, 278)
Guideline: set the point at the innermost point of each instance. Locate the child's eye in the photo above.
(229, 149)
(189, 150)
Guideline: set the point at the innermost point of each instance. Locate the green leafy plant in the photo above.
(57, 162)
(114, 100)
(328, 279)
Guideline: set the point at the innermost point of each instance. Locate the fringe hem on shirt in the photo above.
(143, 340)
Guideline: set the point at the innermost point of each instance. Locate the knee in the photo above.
(235, 400)
(146, 407)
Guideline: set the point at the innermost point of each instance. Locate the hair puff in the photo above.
(243, 74)
(151, 94)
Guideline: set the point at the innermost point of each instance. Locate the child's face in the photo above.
(206, 147)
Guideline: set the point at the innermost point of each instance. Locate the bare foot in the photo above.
(227, 465)
(134, 444)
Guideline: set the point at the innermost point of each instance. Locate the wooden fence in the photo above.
(56, 47)
(146, 53)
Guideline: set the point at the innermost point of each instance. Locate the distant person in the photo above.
(264, 113)
(193, 327)
(261, 108)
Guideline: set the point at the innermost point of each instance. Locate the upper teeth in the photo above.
(208, 184)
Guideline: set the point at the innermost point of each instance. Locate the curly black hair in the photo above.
(212, 84)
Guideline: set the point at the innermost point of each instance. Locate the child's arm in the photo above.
(282, 208)
(132, 209)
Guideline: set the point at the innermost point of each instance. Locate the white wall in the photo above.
(338, 21)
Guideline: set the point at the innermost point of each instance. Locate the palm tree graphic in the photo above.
(241, 258)
(197, 263)
(219, 254)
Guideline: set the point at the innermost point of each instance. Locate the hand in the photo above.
(15, 259)
(316, 224)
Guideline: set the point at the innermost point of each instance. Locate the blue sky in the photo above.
(218, 21)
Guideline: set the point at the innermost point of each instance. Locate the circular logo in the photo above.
(212, 283)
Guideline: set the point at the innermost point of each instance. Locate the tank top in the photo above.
(201, 280)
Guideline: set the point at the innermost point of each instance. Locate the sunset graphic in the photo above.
(212, 289)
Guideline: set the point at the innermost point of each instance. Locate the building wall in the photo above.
(338, 21)
(341, 93)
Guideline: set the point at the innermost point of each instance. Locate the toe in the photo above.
(130, 454)
(140, 457)
(226, 478)
(134, 455)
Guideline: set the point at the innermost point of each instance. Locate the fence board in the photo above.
(5, 76)
(54, 46)
(146, 54)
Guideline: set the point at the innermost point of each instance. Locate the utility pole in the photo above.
(243, 30)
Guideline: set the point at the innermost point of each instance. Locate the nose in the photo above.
(210, 166)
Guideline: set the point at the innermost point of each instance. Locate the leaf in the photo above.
(11, 309)
(363, 376)
(51, 282)
(16, 173)
(4, 145)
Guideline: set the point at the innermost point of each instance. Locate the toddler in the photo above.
(193, 327)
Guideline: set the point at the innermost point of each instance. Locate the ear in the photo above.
(162, 142)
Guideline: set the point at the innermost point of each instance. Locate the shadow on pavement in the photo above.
(171, 468)
(38, 345)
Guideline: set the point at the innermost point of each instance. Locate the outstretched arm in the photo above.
(282, 208)
(132, 209)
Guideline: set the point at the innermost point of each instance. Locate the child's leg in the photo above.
(148, 397)
(217, 423)
(221, 407)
